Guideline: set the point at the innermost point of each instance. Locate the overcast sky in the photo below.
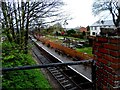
(80, 11)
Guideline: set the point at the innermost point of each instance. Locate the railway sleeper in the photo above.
(61, 79)
(59, 76)
(58, 73)
(52, 69)
(73, 88)
(64, 81)
(67, 85)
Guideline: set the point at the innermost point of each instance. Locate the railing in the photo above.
(56, 65)
(46, 65)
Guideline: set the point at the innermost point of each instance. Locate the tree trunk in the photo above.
(26, 32)
(6, 26)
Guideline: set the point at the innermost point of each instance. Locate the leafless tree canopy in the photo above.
(110, 5)
(17, 17)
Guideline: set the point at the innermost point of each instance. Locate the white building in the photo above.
(95, 27)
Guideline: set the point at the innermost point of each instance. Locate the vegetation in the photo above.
(71, 32)
(87, 50)
(17, 18)
(12, 56)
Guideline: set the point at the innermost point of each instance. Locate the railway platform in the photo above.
(84, 71)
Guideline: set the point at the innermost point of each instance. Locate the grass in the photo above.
(52, 38)
(71, 38)
(87, 50)
(61, 37)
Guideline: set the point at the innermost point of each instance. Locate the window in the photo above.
(93, 33)
(91, 28)
(95, 28)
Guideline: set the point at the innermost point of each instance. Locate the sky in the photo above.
(81, 12)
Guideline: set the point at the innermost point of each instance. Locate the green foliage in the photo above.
(88, 28)
(12, 57)
(83, 33)
(24, 79)
(70, 32)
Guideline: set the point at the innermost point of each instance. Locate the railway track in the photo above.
(67, 78)
(65, 82)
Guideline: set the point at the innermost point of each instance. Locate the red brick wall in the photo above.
(107, 55)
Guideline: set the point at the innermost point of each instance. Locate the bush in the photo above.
(48, 45)
(12, 57)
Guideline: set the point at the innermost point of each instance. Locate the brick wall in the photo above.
(107, 55)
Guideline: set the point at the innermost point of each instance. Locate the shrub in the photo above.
(48, 45)
(23, 78)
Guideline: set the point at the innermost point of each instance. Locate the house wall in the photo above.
(107, 56)
(97, 30)
(83, 29)
(94, 29)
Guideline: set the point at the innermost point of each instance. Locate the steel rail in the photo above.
(59, 75)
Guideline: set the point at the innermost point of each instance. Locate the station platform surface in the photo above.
(84, 71)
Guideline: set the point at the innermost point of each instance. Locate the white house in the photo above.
(95, 27)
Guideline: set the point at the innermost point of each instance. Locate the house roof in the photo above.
(83, 29)
(103, 23)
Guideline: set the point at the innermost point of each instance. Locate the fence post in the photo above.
(93, 75)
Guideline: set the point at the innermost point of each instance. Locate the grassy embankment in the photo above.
(24, 79)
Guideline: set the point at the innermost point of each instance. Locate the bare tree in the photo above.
(111, 5)
(18, 16)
